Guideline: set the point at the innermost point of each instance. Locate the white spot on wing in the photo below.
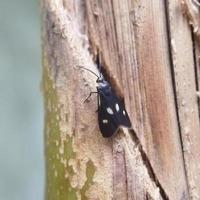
(105, 121)
(117, 107)
(110, 111)
(124, 113)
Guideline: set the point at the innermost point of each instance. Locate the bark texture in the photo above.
(147, 49)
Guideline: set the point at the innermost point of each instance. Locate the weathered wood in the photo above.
(142, 66)
(80, 164)
(143, 56)
(161, 135)
(190, 9)
(185, 87)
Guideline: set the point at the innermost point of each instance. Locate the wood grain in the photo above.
(145, 74)
(147, 52)
(185, 85)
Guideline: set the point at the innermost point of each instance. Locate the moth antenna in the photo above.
(89, 71)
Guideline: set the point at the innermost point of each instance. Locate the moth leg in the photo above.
(90, 96)
(98, 102)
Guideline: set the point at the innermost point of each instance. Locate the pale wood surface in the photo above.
(185, 89)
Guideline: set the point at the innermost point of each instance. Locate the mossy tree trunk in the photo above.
(147, 50)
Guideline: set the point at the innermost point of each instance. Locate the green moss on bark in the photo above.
(58, 185)
(59, 152)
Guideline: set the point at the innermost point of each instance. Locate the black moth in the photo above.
(111, 111)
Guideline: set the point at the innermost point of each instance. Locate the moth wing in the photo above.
(120, 114)
(108, 124)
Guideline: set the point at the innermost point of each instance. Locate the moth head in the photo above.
(104, 86)
(100, 79)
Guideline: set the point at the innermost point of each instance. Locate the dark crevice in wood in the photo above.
(148, 196)
(107, 76)
(166, 3)
(145, 159)
(172, 67)
(194, 58)
(174, 84)
(195, 69)
(115, 31)
(147, 163)
(97, 52)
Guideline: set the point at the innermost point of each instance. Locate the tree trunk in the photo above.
(150, 57)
